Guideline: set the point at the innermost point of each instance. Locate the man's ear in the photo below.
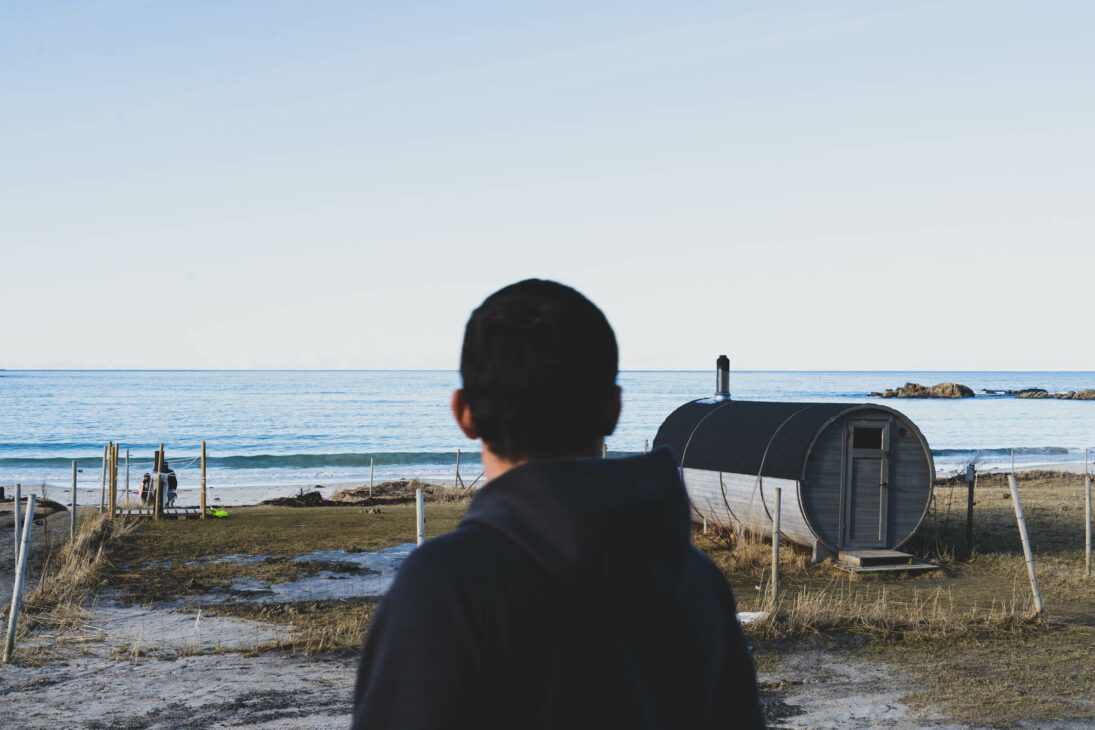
(462, 413)
(612, 414)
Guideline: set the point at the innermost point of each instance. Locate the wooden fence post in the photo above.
(203, 481)
(157, 510)
(72, 516)
(371, 459)
(646, 445)
(1087, 515)
(420, 514)
(112, 491)
(20, 578)
(111, 477)
(16, 507)
(1087, 523)
(102, 483)
(1026, 542)
(457, 482)
(127, 476)
(105, 499)
(971, 480)
(604, 451)
(775, 547)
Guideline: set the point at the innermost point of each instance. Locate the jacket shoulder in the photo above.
(468, 556)
(705, 572)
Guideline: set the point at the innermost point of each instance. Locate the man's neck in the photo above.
(495, 466)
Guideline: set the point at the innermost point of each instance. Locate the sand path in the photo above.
(203, 691)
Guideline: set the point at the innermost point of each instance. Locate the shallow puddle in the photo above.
(378, 571)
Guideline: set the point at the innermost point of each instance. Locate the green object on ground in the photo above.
(217, 512)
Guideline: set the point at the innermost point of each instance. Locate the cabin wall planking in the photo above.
(749, 501)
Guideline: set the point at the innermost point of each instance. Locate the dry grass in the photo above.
(846, 608)
(1034, 676)
(821, 599)
(275, 531)
(317, 627)
(163, 561)
(967, 633)
(747, 557)
(161, 582)
(157, 562)
(70, 575)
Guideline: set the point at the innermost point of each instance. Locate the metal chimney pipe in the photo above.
(722, 378)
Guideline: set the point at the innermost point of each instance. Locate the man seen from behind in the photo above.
(570, 595)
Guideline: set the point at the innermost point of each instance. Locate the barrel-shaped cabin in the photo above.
(852, 476)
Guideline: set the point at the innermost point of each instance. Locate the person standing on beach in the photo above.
(172, 485)
(570, 595)
(145, 490)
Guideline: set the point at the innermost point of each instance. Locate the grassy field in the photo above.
(966, 633)
(161, 559)
(167, 560)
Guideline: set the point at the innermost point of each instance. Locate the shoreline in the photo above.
(254, 492)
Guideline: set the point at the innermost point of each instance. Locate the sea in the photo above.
(272, 433)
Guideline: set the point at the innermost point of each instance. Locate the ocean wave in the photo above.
(1007, 451)
(269, 461)
(360, 461)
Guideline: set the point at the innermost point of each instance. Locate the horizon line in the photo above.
(456, 370)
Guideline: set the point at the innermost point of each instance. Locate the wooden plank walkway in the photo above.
(169, 513)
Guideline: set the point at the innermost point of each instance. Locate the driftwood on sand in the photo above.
(400, 491)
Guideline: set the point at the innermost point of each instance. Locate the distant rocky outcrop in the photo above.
(916, 390)
(1038, 393)
(1086, 394)
(957, 390)
(1024, 393)
(1031, 393)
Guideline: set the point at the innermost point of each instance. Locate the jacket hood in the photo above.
(614, 527)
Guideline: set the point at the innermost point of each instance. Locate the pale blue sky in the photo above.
(847, 185)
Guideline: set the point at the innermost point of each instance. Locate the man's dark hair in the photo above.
(539, 368)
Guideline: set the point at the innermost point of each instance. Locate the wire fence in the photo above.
(213, 601)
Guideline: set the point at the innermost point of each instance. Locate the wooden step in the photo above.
(868, 558)
(893, 568)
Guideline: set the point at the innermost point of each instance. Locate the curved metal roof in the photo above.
(747, 437)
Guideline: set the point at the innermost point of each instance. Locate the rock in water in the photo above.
(916, 390)
(1086, 394)
(950, 390)
(1029, 393)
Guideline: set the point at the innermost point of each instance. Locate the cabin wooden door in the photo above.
(866, 485)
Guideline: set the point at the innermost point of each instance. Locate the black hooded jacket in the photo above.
(570, 596)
